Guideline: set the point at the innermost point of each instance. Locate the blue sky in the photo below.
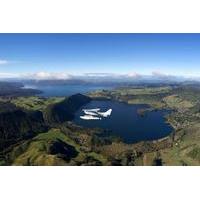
(172, 54)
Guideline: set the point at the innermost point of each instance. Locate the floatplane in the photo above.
(90, 117)
(94, 114)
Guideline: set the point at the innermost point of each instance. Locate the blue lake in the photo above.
(126, 123)
(65, 90)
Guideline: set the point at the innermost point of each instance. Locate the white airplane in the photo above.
(89, 117)
(92, 110)
(94, 114)
(105, 114)
(90, 113)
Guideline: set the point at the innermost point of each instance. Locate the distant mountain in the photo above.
(65, 110)
(15, 89)
(108, 79)
(54, 82)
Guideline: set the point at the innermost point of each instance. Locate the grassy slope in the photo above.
(186, 150)
(35, 152)
(35, 103)
(176, 102)
(150, 95)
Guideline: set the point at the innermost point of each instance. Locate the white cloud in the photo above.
(160, 74)
(133, 75)
(99, 74)
(112, 75)
(48, 76)
(165, 76)
(3, 62)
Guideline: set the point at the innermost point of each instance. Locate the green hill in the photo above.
(64, 110)
(51, 148)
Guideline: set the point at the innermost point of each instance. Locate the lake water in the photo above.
(126, 123)
(65, 90)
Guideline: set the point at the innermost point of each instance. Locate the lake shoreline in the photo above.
(125, 129)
